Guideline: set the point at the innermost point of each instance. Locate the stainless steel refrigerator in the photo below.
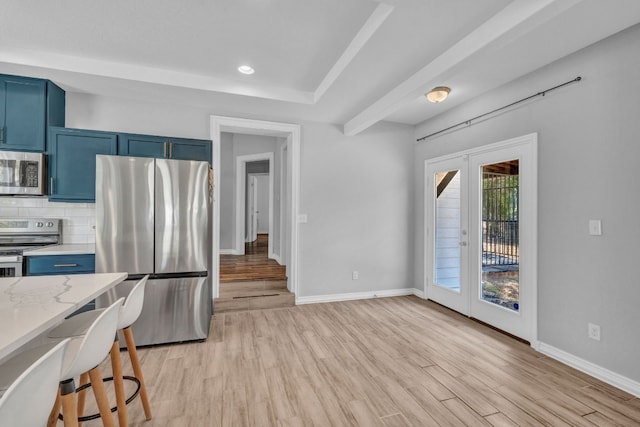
(153, 217)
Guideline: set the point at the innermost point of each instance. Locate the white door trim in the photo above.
(221, 124)
(241, 176)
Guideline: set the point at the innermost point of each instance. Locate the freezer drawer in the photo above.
(174, 310)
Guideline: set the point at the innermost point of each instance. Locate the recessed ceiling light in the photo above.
(438, 94)
(245, 69)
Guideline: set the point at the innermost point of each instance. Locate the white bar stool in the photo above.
(29, 385)
(87, 351)
(129, 313)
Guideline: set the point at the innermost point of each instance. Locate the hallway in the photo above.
(252, 281)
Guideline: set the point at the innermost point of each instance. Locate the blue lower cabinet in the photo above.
(63, 264)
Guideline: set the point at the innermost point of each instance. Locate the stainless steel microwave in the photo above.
(22, 174)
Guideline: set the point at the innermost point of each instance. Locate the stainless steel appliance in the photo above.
(22, 173)
(19, 234)
(152, 217)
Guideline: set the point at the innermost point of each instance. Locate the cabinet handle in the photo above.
(65, 265)
(51, 185)
(171, 150)
(164, 150)
(2, 135)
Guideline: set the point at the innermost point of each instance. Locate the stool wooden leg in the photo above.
(101, 397)
(69, 409)
(55, 411)
(118, 382)
(82, 395)
(137, 370)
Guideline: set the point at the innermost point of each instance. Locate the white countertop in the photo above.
(31, 305)
(64, 249)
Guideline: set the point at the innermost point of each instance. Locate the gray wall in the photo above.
(357, 190)
(588, 160)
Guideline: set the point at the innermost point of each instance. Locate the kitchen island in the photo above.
(31, 305)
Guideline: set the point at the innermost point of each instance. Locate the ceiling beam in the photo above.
(520, 14)
(379, 15)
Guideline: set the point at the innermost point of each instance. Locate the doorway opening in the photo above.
(261, 238)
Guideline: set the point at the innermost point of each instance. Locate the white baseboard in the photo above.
(229, 252)
(354, 296)
(603, 374)
(276, 258)
(418, 292)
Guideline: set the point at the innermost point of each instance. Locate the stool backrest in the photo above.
(29, 399)
(132, 307)
(94, 346)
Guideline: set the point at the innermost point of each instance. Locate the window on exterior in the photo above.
(500, 234)
(447, 230)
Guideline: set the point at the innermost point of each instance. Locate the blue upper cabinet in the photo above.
(27, 108)
(72, 162)
(164, 147)
(142, 145)
(190, 149)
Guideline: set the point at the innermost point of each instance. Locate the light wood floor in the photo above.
(384, 362)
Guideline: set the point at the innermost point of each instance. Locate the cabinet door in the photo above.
(190, 149)
(72, 162)
(22, 113)
(142, 146)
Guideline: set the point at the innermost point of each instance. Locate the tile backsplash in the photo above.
(79, 219)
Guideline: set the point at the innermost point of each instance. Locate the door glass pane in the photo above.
(500, 235)
(447, 230)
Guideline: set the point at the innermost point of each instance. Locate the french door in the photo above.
(480, 215)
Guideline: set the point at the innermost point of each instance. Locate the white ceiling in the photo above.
(351, 63)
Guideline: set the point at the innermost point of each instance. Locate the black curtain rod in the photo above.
(468, 122)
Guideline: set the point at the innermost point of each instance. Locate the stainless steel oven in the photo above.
(20, 234)
(22, 174)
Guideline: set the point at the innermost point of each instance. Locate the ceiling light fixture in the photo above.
(438, 94)
(245, 69)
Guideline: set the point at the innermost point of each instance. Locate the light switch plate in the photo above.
(595, 227)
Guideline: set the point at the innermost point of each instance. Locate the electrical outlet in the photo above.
(595, 227)
(594, 331)
(355, 275)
